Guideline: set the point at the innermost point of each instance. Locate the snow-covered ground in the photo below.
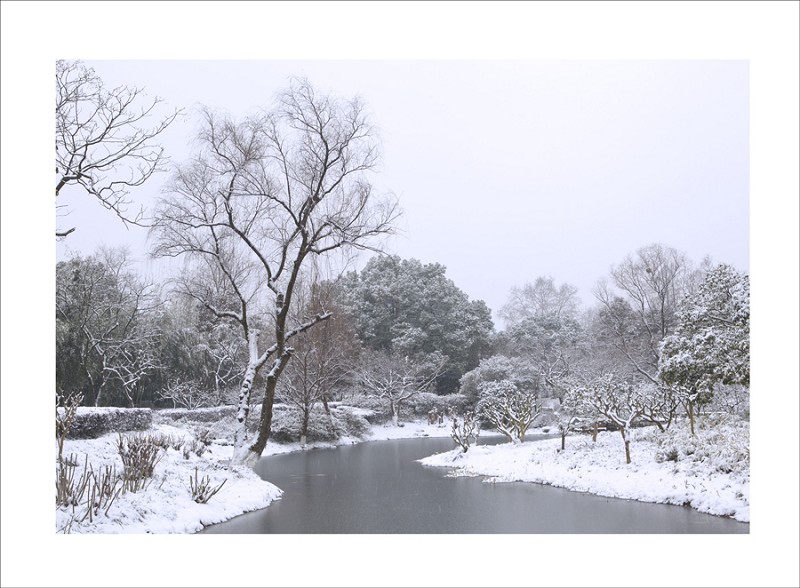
(166, 506)
(702, 476)
(709, 474)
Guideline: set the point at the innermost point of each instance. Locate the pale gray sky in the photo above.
(506, 170)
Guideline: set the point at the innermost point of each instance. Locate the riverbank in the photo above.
(709, 473)
(166, 505)
(705, 474)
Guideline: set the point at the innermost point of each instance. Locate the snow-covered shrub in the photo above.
(140, 454)
(424, 402)
(66, 409)
(93, 490)
(510, 409)
(217, 423)
(91, 423)
(197, 415)
(721, 441)
(350, 421)
(466, 432)
(380, 412)
(202, 489)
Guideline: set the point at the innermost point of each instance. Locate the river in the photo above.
(379, 487)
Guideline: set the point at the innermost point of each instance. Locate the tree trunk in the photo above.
(563, 441)
(240, 434)
(594, 432)
(394, 408)
(691, 416)
(265, 426)
(626, 439)
(304, 430)
(325, 404)
(245, 390)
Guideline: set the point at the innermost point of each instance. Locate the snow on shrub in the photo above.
(378, 408)
(350, 421)
(91, 423)
(424, 402)
(198, 415)
(721, 441)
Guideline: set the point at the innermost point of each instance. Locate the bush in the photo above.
(350, 422)
(379, 408)
(139, 454)
(198, 415)
(90, 423)
(423, 403)
(210, 424)
(720, 441)
(202, 489)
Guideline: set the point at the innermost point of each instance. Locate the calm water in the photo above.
(378, 487)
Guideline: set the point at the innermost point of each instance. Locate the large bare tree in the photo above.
(639, 308)
(104, 141)
(262, 198)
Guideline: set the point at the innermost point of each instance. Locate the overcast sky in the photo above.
(505, 170)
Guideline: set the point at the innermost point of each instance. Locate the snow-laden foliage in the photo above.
(721, 442)
(508, 407)
(499, 368)
(424, 402)
(409, 308)
(711, 344)
(618, 401)
(107, 329)
(90, 423)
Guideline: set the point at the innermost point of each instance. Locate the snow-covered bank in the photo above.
(706, 481)
(166, 506)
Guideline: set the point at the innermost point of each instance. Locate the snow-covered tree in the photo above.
(711, 344)
(262, 198)
(404, 306)
(618, 401)
(106, 328)
(397, 378)
(465, 432)
(659, 404)
(572, 408)
(553, 346)
(508, 407)
(498, 368)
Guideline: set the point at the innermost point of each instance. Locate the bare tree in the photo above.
(467, 431)
(397, 378)
(262, 198)
(322, 358)
(643, 310)
(540, 300)
(108, 309)
(102, 142)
